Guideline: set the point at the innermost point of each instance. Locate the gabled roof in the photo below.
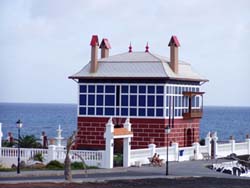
(138, 65)
(174, 41)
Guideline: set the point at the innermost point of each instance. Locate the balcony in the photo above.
(194, 113)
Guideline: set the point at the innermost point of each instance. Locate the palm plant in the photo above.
(28, 141)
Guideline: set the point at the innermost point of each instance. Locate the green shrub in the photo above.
(38, 157)
(77, 165)
(54, 165)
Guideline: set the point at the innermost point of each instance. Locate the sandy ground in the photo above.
(146, 183)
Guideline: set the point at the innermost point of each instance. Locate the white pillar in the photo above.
(51, 153)
(232, 142)
(175, 145)
(248, 145)
(152, 149)
(1, 135)
(208, 143)
(197, 154)
(126, 152)
(127, 124)
(215, 139)
(109, 144)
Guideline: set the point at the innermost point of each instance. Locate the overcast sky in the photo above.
(43, 42)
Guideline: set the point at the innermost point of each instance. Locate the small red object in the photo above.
(130, 48)
(147, 47)
(105, 44)
(174, 40)
(94, 41)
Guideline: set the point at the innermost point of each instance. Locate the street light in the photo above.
(167, 131)
(19, 125)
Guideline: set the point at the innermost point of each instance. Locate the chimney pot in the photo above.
(105, 46)
(94, 43)
(174, 61)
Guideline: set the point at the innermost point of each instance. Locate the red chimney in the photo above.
(94, 53)
(174, 44)
(105, 46)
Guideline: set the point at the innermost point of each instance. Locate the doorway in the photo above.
(189, 138)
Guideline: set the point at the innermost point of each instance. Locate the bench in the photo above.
(205, 156)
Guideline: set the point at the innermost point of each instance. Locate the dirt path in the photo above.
(147, 183)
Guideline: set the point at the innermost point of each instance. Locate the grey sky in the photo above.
(43, 42)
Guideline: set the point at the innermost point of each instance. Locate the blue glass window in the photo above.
(142, 100)
(167, 112)
(99, 89)
(91, 89)
(167, 101)
(109, 100)
(160, 89)
(133, 100)
(124, 111)
(91, 111)
(151, 100)
(142, 89)
(133, 111)
(109, 111)
(133, 89)
(142, 112)
(193, 102)
(124, 100)
(91, 100)
(99, 111)
(99, 100)
(159, 112)
(197, 102)
(82, 111)
(117, 111)
(110, 89)
(193, 89)
(83, 89)
(124, 89)
(150, 112)
(159, 100)
(82, 99)
(151, 89)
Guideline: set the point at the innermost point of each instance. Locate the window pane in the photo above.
(133, 111)
(99, 111)
(151, 100)
(99, 89)
(142, 100)
(82, 99)
(151, 89)
(109, 111)
(109, 100)
(197, 102)
(159, 100)
(117, 111)
(91, 100)
(91, 111)
(82, 111)
(124, 100)
(83, 89)
(99, 100)
(159, 112)
(142, 112)
(159, 89)
(133, 89)
(133, 100)
(110, 89)
(124, 89)
(142, 89)
(124, 111)
(91, 89)
(150, 112)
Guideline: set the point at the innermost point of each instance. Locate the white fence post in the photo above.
(232, 141)
(208, 143)
(127, 145)
(175, 145)
(248, 144)
(197, 154)
(215, 141)
(51, 153)
(109, 144)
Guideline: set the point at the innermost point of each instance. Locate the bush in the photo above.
(77, 165)
(38, 157)
(54, 165)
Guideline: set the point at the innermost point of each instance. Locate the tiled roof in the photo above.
(138, 65)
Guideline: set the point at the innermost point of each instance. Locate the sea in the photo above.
(226, 121)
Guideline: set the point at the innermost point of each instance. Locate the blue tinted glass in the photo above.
(91, 100)
(91, 89)
(82, 111)
(159, 112)
(133, 111)
(117, 111)
(175, 112)
(109, 111)
(142, 89)
(142, 100)
(159, 89)
(193, 89)
(99, 100)
(91, 111)
(193, 98)
(150, 112)
(99, 111)
(151, 89)
(151, 100)
(99, 89)
(124, 89)
(109, 100)
(110, 89)
(167, 112)
(142, 112)
(82, 99)
(197, 102)
(124, 100)
(83, 89)
(159, 100)
(133, 89)
(124, 111)
(133, 100)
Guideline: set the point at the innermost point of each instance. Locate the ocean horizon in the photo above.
(37, 117)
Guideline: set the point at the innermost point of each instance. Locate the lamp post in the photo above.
(167, 131)
(19, 125)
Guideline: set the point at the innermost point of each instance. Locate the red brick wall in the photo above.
(91, 131)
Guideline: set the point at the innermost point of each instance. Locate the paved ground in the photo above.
(176, 170)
